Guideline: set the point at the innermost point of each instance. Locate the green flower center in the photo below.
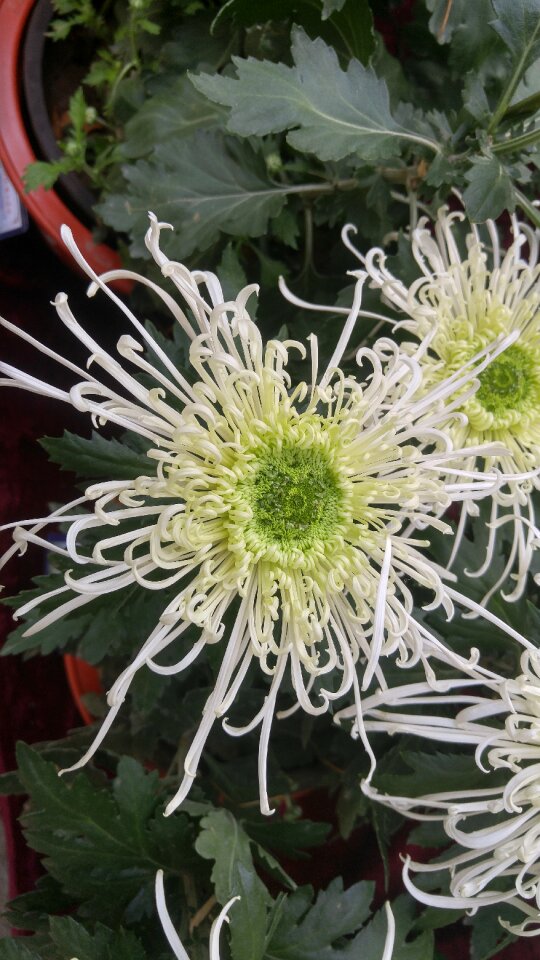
(507, 382)
(295, 497)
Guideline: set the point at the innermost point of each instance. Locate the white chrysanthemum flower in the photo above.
(497, 826)
(283, 505)
(468, 294)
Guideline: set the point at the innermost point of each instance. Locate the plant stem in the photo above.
(532, 212)
(308, 239)
(329, 187)
(528, 105)
(508, 93)
(517, 143)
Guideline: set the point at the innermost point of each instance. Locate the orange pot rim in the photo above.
(82, 678)
(16, 151)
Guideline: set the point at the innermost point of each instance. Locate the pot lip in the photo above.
(82, 678)
(16, 152)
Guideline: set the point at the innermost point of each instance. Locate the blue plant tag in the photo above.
(13, 215)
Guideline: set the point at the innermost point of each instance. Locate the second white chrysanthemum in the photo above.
(496, 826)
(469, 292)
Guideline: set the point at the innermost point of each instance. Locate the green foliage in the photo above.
(103, 840)
(347, 115)
(489, 190)
(256, 146)
(171, 115)
(207, 184)
(488, 938)
(94, 840)
(429, 773)
(518, 25)
(346, 24)
(70, 938)
(311, 932)
(96, 457)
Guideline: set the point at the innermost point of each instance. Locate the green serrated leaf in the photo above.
(172, 115)
(347, 25)
(488, 937)
(335, 913)
(43, 174)
(312, 930)
(248, 921)
(54, 637)
(421, 948)
(463, 25)
(100, 844)
(96, 457)
(475, 100)
(490, 190)
(224, 840)
(231, 275)
(431, 772)
(288, 836)
(207, 185)
(73, 940)
(348, 114)
(77, 111)
(31, 911)
(518, 25)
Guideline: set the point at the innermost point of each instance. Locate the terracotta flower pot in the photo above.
(16, 150)
(82, 678)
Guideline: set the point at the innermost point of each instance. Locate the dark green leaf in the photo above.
(44, 174)
(10, 784)
(31, 911)
(54, 637)
(346, 25)
(472, 47)
(16, 950)
(248, 920)
(288, 837)
(421, 948)
(518, 25)
(430, 773)
(231, 274)
(488, 937)
(171, 115)
(348, 114)
(490, 190)
(335, 913)
(224, 840)
(206, 185)
(96, 457)
(474, 97)
(309, 931)
(103, 847)
(73, 940)
(77, 111)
